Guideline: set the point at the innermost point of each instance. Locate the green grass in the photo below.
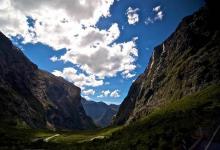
(168, 126)
(187, 103)
(165, 128)
(19, 137)
(83, 136)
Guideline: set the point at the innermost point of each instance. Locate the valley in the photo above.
(177, 122)
(173, 104)
(24, 138)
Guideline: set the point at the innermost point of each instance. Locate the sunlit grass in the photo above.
(83, 136)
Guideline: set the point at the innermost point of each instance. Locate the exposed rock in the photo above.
(186, 62)
(39, 98)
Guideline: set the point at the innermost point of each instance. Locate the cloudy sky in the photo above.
(99, 45)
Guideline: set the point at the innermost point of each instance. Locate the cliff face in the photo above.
(36, 97)
(101, 113)
(188, 61)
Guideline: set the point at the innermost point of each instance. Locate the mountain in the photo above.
(174, 104)
(186, 62)
(101, 113)
(35, 97)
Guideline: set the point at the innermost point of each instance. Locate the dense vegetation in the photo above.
(175, 125)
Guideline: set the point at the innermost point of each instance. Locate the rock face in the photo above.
(101, 113)
(186, 62)
(35, 96)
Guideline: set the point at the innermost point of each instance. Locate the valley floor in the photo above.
(21, 138)
(192, 122)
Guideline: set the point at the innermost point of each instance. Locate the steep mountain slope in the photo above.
(188, 61)
(36, 97)
(101, 113)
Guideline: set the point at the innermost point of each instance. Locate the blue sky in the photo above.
(96, 64)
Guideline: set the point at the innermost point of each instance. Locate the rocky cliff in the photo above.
(36, 97)
(101, 113)
(186, 62)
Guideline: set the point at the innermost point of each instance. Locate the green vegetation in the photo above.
(21, 137)
(84, 136)
(174, 125)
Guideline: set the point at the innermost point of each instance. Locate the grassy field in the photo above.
(22, 138)
(84, 136)
(173, 126)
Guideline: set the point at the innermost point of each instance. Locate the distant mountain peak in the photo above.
(101, 113)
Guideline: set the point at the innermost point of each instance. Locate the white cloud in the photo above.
(54, 58)
(129, 75)
(115, 94)
(87, 97)
(104, 93)
(103, 59)
(108, 93)
(88, 92)
(100, 96)
(59, 25)
(79, 79)
(158, 15)
(71, 25)
(132, 15)
(55, 21)
(157, 8)
(148, 20)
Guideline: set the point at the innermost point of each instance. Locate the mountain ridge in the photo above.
(186, 62)
(37, 97)
(101, 113)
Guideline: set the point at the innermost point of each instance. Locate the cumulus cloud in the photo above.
(14, 12)
(55, 22)
(88, 92)
(115, 94)
(108, 93)
(54, 58)
(132, 15)
(105, 60)
(79, 79)
(71, 25)
(158, 15)
(105, 93)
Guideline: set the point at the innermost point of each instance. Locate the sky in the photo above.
(99, 45)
